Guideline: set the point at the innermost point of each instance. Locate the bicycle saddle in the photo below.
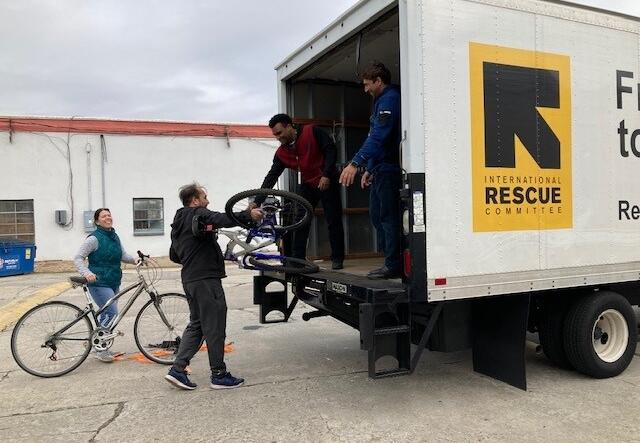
(78, 280)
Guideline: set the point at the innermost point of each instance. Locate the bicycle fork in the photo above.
(156, 303)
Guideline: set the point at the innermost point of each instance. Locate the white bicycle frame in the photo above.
(234, 240)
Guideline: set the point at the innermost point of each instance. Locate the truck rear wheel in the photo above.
(600, 334)
(550, 331)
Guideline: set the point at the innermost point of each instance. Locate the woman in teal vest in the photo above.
(104, 252)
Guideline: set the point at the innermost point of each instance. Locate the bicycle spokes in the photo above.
(283, 211)
(40, 349)
(159, 327)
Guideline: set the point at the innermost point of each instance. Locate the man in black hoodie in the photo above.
(202, 268)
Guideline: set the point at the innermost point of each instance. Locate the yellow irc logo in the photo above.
(521, 139)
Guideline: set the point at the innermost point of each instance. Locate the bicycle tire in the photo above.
(291, 265)
(161, 346)
(22, 326)
(302, 219)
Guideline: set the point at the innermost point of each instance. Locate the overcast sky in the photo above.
(203, 60)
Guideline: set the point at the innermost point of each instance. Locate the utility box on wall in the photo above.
(87, 221)
(61, 217)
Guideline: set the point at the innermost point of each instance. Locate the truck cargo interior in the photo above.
(329, 94)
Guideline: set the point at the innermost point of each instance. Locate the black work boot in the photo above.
(384, 273)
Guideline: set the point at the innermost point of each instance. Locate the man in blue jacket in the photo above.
(380, 154)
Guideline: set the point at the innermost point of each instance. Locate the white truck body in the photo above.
(517, 198)
(479, 248)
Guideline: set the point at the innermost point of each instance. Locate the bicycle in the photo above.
(54, 338)
(283, 212)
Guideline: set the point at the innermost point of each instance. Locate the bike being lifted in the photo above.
(283, 212)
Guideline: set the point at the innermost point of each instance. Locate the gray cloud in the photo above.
(193, 60)
(190, 60)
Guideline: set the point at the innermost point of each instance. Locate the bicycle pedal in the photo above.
(119, 334)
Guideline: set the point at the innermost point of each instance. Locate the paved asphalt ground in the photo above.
(305, 381)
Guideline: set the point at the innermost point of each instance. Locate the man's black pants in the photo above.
(332, 206)
(207, 321)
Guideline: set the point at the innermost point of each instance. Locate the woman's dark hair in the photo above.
(96, 215)
(284, 119)
(189, 192)
(375, 70)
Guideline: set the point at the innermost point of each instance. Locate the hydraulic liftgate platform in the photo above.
(379, 309)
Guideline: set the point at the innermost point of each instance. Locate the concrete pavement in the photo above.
(307, 381)
(19, 287)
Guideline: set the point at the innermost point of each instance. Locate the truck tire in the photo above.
(600, 334)
(551, 332)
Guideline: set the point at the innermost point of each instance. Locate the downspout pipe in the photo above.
(103, 152)
(88, 150)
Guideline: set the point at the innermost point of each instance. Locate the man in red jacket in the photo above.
(311, 153)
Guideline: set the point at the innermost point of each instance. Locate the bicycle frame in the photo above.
(140, 286)
(234, 240)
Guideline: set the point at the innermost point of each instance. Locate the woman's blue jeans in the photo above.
(101, 296)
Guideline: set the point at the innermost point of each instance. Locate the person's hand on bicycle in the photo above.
(256, 214)
(91, 277)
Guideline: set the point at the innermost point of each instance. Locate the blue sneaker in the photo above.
(179, 379)
(225, 381)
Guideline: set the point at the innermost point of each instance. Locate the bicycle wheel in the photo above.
(41, 353)
(288, 265)
(159, 326)
(286, 210)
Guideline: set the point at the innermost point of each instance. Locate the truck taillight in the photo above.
(406, 255)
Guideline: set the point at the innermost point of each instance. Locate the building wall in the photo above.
(35, 166)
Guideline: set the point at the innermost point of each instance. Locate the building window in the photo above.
(148, 216)
(16, 220)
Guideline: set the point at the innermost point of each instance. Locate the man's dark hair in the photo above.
(96, 215)
(280, 118)
(375, 70)
(189, 192)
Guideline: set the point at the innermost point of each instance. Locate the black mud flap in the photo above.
(499, 332)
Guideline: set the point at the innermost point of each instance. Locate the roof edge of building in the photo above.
(132, 127)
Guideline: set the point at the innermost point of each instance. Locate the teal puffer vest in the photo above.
(105, 261)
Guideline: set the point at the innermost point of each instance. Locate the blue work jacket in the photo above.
(380, 152)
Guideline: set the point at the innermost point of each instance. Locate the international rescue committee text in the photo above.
(629, 145)
(518, 190)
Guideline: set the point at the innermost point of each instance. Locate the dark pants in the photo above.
(332, 206)
(384, 209)
(207, 321)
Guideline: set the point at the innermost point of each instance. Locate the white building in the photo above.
(56, 171)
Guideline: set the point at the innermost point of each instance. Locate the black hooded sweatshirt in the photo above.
(200, 258)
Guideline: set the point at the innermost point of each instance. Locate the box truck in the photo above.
(521, 164)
